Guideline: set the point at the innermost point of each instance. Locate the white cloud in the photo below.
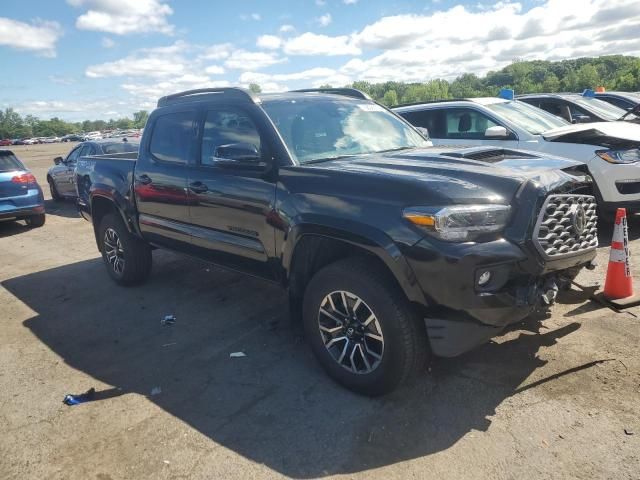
(244, 60)
(219, 51)
(39, 36)
(351, 2)
(60, 80)
(313, 44)
(287, 28)
(214, 70)
(107, 42)
(147, 62)
(122, 17)
(252, 16)
(312, 77)
(271, 42)
(324, 20)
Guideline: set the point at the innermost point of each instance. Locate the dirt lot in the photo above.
(549, 399)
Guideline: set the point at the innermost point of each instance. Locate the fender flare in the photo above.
(366, 237)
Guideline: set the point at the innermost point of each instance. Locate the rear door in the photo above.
(160, 179)
(233, 198)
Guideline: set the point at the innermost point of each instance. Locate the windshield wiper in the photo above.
(396, 149)
(329, 159)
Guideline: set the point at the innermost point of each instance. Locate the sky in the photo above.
(101, 59)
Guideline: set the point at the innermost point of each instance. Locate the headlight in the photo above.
(620, 156)
(461, 223)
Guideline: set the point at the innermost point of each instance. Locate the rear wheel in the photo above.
(35, 221)
(127, 258)
(362, 328)
(54, 191)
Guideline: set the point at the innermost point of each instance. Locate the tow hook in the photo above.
(549, 291)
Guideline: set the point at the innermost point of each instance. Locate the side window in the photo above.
(172, 137)
(224, 127)
(467, 124)
(579, 114)
(85, 151)
(432, 120)
(557, 108)
(618, 102)
(73, 156)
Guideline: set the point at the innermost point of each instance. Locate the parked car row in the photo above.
(73, 137)
(611, 150)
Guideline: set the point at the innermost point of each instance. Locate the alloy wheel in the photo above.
(351, 332)
(113, 250)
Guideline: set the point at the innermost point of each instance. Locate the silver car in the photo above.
(61, 176)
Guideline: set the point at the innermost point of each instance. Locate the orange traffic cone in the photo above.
(619, 284)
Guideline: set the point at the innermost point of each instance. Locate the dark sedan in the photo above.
(20, 195)
(61, 176)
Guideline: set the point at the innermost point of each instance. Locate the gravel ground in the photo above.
(552, 398)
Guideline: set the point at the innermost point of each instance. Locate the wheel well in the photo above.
(99, 208)
(314, 252)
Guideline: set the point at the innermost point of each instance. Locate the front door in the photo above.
(64, 172)
(161, 179)
(232, 197)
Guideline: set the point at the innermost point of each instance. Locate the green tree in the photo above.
(390, 98)
(255, 88)
(140, 118)
(587, 77)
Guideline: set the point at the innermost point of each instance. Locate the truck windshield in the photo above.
(534, 120)
(316, 129)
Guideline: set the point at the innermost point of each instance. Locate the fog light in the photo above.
(484, 278)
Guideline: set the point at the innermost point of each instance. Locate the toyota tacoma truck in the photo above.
(390, 250)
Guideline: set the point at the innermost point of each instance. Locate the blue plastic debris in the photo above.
(72, 400)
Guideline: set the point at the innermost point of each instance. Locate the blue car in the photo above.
(20, 195)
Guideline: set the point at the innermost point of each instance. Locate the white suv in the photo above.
(610, 149)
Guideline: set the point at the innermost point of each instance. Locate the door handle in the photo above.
(198, 187)
(144, 179)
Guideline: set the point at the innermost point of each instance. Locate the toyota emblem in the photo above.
(578, 219)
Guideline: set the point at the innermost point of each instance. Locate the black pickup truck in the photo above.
(390, 249)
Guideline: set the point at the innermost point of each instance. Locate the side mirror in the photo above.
(238, 153)
(424, 132)
(58, 160)
(496, 132)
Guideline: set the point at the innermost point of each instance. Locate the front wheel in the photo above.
(362, 328)
(36, 221)
(54, 191)
(127, 258)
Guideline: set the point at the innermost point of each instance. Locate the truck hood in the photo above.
(449, 176)
(604, 134)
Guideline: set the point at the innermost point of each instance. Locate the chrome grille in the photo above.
(557, 232)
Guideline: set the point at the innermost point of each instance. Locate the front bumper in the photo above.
(617, 183)
(466, 314)
(22, 206)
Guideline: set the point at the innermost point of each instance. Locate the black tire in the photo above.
(134, 253)
(54, 191)
(35, 221)
(404, 349)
